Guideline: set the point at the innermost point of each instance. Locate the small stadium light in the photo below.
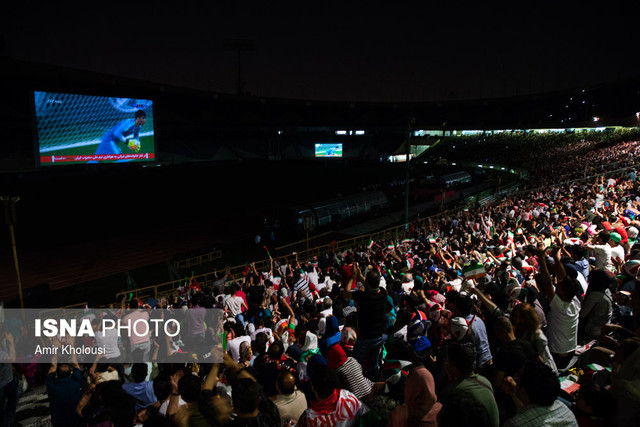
(638, 116)
(596, 119)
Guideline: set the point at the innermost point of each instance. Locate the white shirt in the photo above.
(599, 201)
(562, 325)
(268, 332)
(326, 313)
(617, 252)
(329, 283)
(583, 282)
(407, 287)
(234, 304)
(322, 322)
(233, 346)
(109, 341)
(313, 277)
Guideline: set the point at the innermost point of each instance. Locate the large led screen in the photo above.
(80, 129)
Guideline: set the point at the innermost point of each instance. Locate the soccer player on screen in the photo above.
(126, 129)
(333, 151)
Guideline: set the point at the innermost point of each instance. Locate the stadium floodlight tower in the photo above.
(239, 46)
(10, 219)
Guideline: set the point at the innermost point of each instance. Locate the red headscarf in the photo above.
(336, 356)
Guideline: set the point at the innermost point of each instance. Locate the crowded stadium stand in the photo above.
(491, 280)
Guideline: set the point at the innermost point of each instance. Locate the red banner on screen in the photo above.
(96, 157)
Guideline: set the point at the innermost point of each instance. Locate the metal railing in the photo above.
(198, 260)
(237, 272)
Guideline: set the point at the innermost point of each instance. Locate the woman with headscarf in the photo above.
(331, 335)
(526, 326)
(421, 406)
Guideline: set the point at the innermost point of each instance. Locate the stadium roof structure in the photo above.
(195, 116)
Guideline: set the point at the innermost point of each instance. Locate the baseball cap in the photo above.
(615, 237)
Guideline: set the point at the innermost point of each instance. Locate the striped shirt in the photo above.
(301, 287)
(350, 374)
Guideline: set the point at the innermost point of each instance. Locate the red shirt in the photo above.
(623, 233)
(347, 272)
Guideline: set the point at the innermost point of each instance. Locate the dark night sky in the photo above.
(405, 51)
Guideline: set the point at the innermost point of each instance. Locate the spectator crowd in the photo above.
(525, 312)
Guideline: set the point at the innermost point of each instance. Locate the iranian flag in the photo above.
(394, 370)
(371, 243)
(474, 271)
